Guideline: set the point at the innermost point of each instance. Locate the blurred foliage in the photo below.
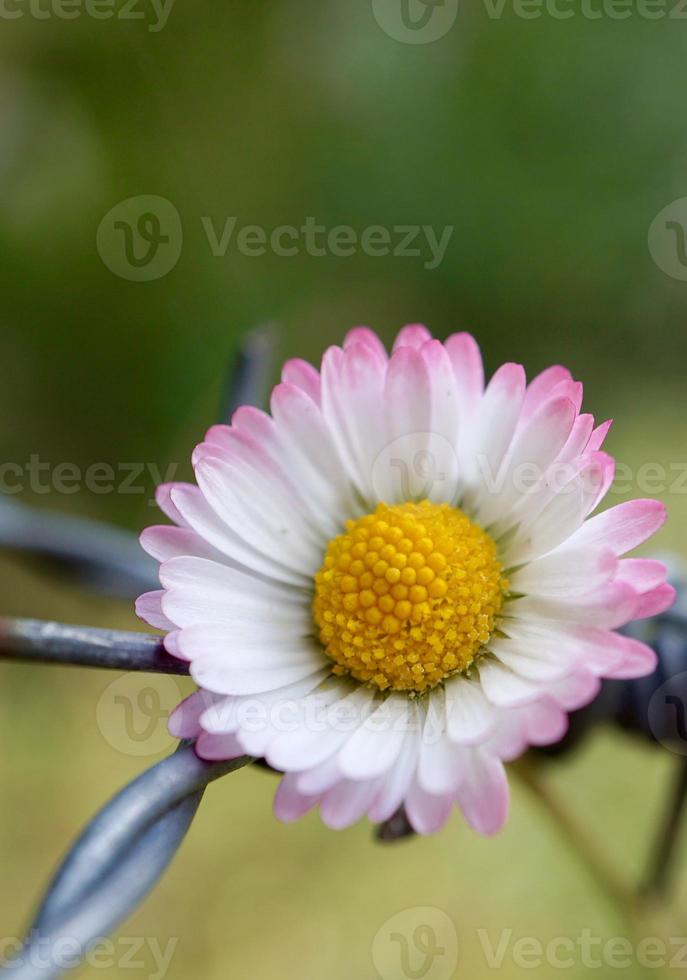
(550, 146)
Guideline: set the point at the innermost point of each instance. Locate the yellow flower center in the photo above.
(408, 595)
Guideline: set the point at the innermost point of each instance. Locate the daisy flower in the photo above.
(391, 584)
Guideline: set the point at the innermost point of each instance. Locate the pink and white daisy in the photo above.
(391, 584)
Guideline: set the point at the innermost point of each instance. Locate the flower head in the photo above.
(391, 584)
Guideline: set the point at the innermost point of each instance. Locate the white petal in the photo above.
(149, 609)
(289, 803)
(375, 746)
(470, 718)
(439, 763)
(205, 592)
(503, 687)
(263, 522)
(533, 450)
(335, 715)
(353, 391)
(216, 675)
(493, 429)
(483, 795)
(397, 780)
(347, 802)
(608, 607)
(200, 516)
(563, 573)
(531, 660)
(427, 813)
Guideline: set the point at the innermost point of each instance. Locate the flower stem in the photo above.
(658, 879)
(606, 877)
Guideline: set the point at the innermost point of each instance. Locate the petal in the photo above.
(214, 747)
(248, 641)
(320, 778)
(565, 572)
(242, 671)
(609, 606)
(331, 719)
(540, 388)
(163, 497)
(470, 719)
(346, 802)
(353, 393)
(545, 722)
(289, 803)
(643, 574)
(599, 434)
(261, 518)
(439, 765)
(304, 376)
(149, 609)
(184, 722)
(163, 541)
(534, 449)
(578, 440)
(407, 394)
(655, 602)
(503, 687)
(466, 361)
(427, 814)
(639, 660)
(412, 335)
(442, 450)
(313, 446)
(594, 649)
(483, 796)
(623, 527)
(395, 784)
(576, 690)
(533, 661)
(492, 431)
(198, 513)
(205, 592)
(374, 747)
(560, 519)
(363, 335)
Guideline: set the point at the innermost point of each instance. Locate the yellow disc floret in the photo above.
(408, 595)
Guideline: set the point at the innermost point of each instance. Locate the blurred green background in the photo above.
(550, 145)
